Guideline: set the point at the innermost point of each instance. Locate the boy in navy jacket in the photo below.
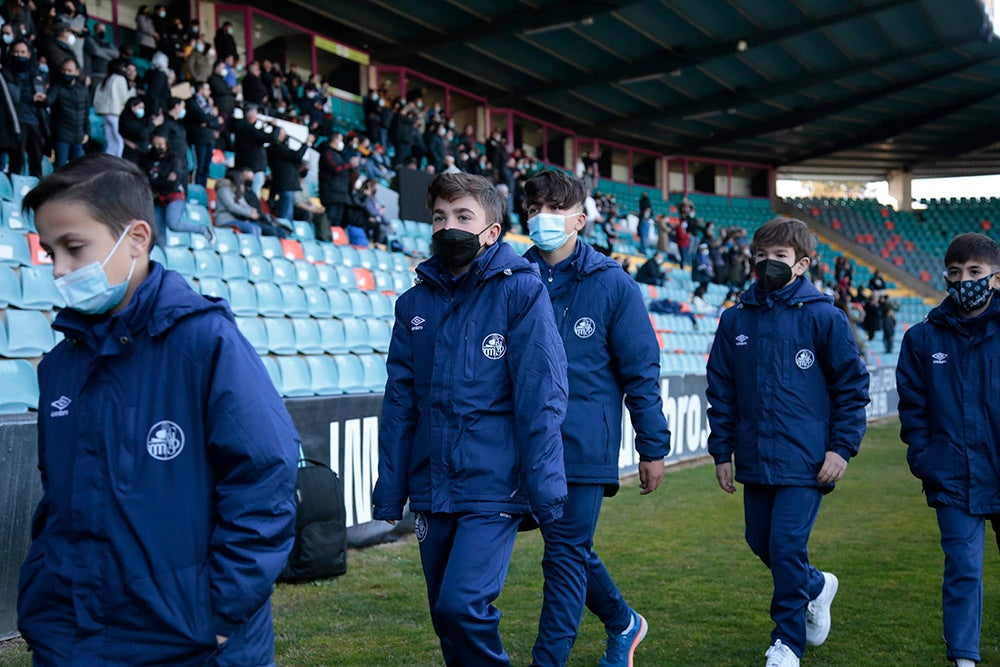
(473, 405)
(612, 353)
(787, 392)
(167, 458)
(949, 407)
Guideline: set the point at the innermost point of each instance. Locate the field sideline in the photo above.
(680, 558)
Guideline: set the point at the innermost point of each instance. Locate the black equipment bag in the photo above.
(320, 549)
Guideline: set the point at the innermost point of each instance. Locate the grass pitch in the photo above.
(679, 557)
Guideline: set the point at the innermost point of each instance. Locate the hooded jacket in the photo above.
(476, 394)
(948, 379)
(786, 384)
(611, 351)
(168, 466)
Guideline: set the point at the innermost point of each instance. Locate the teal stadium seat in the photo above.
(383, 260)
(273, 371)
(253, 329)
(269, 302)
(10, 287)
(283, 271)
(361, 305)
(304, 231)
(382, 305)
(346, 278)
(20, 386)
(25, 334)
(317, 301)
(295, 380)
(234, 267)
(308, 337)
(331, 253)
(214, 287)
(38, 291)
(340, 302)
(259, 269)
(180, 260)
(383, 281)
(280, 335)
(270, 247)
(295, 301)
(242, 298)
(375, 373)
(197, 194)
(22, 185)
(366, 257)
(323, 375)
(198, 214)
(312, 251)
(177, 239)
(379, 334)
(207, 264)
(402, 280)
(157, 255)
(351, 374)
(326, 276)
(12, 217)
(332, 335)
(399, 262)
(225, 241)
(249, 245)
(356, 334)
(348, 257)
(6, 189)
(305, 273)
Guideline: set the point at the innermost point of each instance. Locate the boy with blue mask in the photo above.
(950, 421)
(470, 421)
(611, 351)
(167, 458)
(787, 392)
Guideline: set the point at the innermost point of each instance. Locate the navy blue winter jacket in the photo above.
(611, 350)
(785, 385)
(168, 469)
(948, 379)
(476, 394)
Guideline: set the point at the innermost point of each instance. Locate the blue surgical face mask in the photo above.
(139, 113)
(548, 231)
(87, 290)
(182, 113)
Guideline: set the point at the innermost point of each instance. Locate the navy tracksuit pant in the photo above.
(778, 522)
(575, 576)
(465, 559)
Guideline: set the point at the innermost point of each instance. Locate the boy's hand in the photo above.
(724, 473)
(650, 476)
(833, 468)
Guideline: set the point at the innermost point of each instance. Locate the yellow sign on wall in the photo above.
(338, 49)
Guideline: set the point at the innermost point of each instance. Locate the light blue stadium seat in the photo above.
(6, 190)
(273, 371)
(346, 278)
(284, 271)
(214, 287)
(332, 336)
(26, 334)
(38, 291)
(280, 335)
(399, 262)
(181, 260)
(340, 301)
(234, 267)
(225, 241)
(402, 280)
(270, 247)
(313, 251)
(379, 334)
(14, 249)
(305, 272)
(331, 253)
(351, 374)
(269, 301)
(249, 245)
(323, 375)
(295, 301)
(20, 386)
(356, 334)
(308, 337)
(327, 277)
(349, 256)
(383, 281)
(253, 329)
(259, 269)
(295, 380)
(177, 239)
(198, 214)
(21, 185)
(317, 301)
(304, 230)
(361, 305)
(157, 255)
(242, 298)
(375, 373)
(199, 242)
(383, 260)
(366, 258)
(207, 264)
(382, 305)
(10, 286)
(197, 194)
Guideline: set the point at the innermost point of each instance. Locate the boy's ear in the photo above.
(141, 238)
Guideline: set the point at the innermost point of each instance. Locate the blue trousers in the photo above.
(962, 540)
(778, 522)
(66, 151)
(465, 559)
(574, 577)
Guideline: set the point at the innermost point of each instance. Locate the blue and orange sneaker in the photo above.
(621, 647)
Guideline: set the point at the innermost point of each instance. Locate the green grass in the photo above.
(679, 557)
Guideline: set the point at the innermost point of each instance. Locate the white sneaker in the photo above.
(818, 611)
(780, 655)
(964, 662)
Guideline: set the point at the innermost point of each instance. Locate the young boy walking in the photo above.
(167, 457)
(612, 353)
(949, 408)
(787, 392)
(473, 405)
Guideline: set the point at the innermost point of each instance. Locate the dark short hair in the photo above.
(115, 191)
(973, 247)
(455, 186)
(787, 232)
(554, 188)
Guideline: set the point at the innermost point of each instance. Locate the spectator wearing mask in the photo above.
(202, 126)
(59, 48)
(7, 38)
(160, 21)
(163, 169)
(173, 125)
(69, 107)
(378, 226)
(225, 44)
(146, 32)
(702, 270)
(158, 83)
(110, 97)
(231, 206)
(98, 53)
(254, 91)
(334, 179)
(20, 12)
(222, 94)
(136, 127)
(307, 209)
(284, 163)
(249, 142)
(77, 22)
(197, 64)
(372, 108)
(651, 272)
(26, 89)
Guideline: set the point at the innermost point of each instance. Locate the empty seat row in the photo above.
(26, 334)
(30, 287)
(284, 336)
(20, 386)
(325, 375)
(273, 300)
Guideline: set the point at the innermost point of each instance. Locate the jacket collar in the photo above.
(800, 291)
(947, 314)
(498, 258)
(584, 260)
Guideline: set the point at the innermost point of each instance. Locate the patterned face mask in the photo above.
(970, 294)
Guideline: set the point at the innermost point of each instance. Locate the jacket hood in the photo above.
(499, 258)
(947, 314)
(800, 291)
(584, 260)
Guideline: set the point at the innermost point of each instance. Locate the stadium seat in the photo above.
(36, 252)
(379, 334)
(270, 247)
(399, 262)
(317, 301)
(6, 189)
(38, 291)
(197, 194)
(349, 257)
(332, 336)
(402, 281)
(366, 258)
(295, 381)
(308, 337)
(273, 371)
(269, 301)
(383, 281)
(382, 305)
(10, 287)
(242, 298)
(326, 276)
(207, 264)
(181, 260)
(20, 386)
(283, 271)
(295, 301)
(156, 254)
(249, 245)
(291, 249)
(177, 239)
(340, 301)
(361, 305)
(25, 334)
(339, 235)
(234, 267)
(11, 217)
(198, 214)
(214, 287)
(351, 374)
(365, 279)
(225, 241)
(346, 278)
(304, 231)
(331, 253)
(383, 260)
(280, 335)
(305, 273)
(21, 185)
(253, 329)
(323, 375)
(356, 334)
(312, 251)
(375, 374)
(259, 269)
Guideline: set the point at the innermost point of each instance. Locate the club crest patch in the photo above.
(165, 441)
(420, 526)
(804, 359)
(584, 327)
(494, 346)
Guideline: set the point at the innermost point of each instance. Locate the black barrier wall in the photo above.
(343, 432)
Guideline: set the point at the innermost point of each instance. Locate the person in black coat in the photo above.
(176, 135)
(873, 318)
(284, 163)
(334, 179)
(163, 170)
(203, 128)
(225, 45)
(136, 126)
(158, 84)
(249, 142)
(69, 106)
(651, 272)
(254, 91)
(28, 125)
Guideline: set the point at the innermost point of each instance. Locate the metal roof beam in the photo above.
(968, 142)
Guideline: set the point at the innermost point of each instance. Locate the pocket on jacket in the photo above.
(173, 605)
(127, 444)
(489, 464)
(471, 348)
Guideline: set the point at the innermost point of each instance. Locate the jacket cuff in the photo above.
(387, 513)
(722, 458)
(649, 459)
(843, 451)
(552, 513)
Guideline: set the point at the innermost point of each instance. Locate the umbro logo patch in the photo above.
(940, 358)
(60, 406)
(416, 324)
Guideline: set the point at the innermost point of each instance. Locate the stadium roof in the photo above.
(815, 87)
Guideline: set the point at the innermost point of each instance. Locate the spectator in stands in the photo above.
(877, 284)
(307, 209)
(279, 95)
(683, 243)
(250, 142)
(379, 227)
(98, 53)
(163, 170)
(621, 361)
(222, 93)
(372, 108)
(793, 423)
(873, 318)
(173, 125)
(59, 48)
(202, 128)
(158, 83)
(651, 272)
(197, 63)
(68, 15)
(26, 86)
(702, 270)
(146, 32)
(889, 330)
(949, 416)
(20, 12)
(69, 105)
(334, 179)
(476, 457)
(254, 91)
(231, 207)
(136, 128)
(284, 163)
(7, 38)
(204, 526)
(225, 44)
(110, 97)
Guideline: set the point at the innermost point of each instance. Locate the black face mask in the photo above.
(773, 274)
(455, 247)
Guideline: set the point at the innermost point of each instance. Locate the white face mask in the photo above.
(338, 146)
(71, 40)
(548, 230)
(87, 290)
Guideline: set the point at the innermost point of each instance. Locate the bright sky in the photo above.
(923, 188)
